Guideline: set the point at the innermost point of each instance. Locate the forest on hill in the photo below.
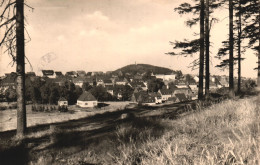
(144, 68)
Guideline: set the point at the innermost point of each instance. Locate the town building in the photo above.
(87, 100)
(63, 102)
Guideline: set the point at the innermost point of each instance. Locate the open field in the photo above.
(224, 133)
(8, 120)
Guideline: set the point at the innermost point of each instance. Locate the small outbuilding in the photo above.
(87, 100)
(62, 102)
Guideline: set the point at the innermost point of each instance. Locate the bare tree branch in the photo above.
(7, 22)
(6, 7)
(6, 34)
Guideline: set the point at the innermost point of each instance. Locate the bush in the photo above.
(3, 108)
(62, 108)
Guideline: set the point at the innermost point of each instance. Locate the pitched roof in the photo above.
(181, 97)
(81, 73)
(172, 99)
(47, 72)
(58, 73)
(108, 81)
(109, 87)
(166, 91)
(30, 74)
(78, 79)
(86, 96)
(63, 99)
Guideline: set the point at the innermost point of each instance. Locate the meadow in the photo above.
(223, 133)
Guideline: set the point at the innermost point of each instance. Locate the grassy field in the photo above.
(225, 133)
(8, 120)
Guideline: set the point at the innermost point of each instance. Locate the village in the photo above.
(91, 88)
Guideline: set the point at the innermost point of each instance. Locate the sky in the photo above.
(104, 35)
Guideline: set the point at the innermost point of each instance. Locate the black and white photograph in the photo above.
(129, 82)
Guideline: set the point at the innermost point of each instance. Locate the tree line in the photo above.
(244, 34)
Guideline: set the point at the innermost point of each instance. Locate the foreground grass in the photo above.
(225, 133)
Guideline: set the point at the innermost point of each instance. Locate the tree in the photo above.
(127, 93)
(231, 47)
(201, 69)
(240, 8)
(258, 67)
(10, 94)
(86, 86)
(207, 43)
(190, 47)
(12, 19)
(154, 85)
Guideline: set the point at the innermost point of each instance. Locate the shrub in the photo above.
(63, 109)
(3, 108)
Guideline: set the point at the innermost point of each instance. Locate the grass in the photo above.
(224, 133)
(227, 133)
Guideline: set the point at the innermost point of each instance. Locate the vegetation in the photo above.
(224, 133)
(144, 68)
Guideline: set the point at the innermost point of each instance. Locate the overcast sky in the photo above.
(103, 35)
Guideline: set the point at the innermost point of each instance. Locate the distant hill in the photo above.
(144, 68)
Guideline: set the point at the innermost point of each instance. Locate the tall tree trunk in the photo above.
(207, 50)
(231, 47)
(239, 48)
(20, 69)
(201, 69)
(258, 69)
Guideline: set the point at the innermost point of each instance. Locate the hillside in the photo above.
(143, 68)
(223, 133)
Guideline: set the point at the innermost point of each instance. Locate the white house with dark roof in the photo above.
(87, 100)
(78, 81)
(48, 73)
(166, 94)
(63, 102)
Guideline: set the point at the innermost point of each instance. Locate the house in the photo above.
(121, 81)
(224, 81)
(71, 74)
(58, 74)
(166, 94)
(166, 77)
(158, 97)
(148, 100)
(110, 89)
(90, 74)
(141, 85)
(137, 96)
(196, 78)
(78, 81)
(181, 97)
(63, 102)
(100, 81)
(48, 73)
(81, 73)
(87, 100)
(173, 100)
(186, 91)
(90, 81)
(108, 82)
(60, 81)
(182, 85)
